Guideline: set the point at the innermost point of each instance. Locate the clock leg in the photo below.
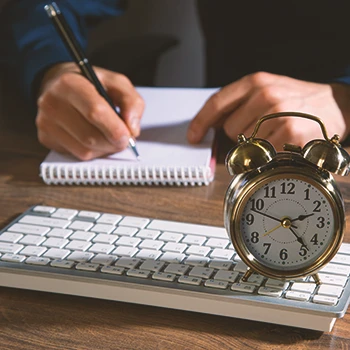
(317, 278)
(248, 273)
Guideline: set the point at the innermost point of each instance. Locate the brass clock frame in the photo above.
(283, 165)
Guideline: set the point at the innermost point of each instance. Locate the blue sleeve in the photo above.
(35, 44)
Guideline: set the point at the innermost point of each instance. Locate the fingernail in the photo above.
(135, 126)
(122, 142)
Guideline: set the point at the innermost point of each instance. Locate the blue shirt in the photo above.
(306, 40)
(32, 43)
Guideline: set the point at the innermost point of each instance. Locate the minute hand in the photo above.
(271, 217)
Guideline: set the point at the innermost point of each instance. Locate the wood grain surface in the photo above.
(37, 320)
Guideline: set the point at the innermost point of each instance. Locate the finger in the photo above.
(83, 96)
(125, 96)
(58, 139)
(56, 110)
(225, 102)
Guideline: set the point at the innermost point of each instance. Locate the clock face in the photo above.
(287, 223)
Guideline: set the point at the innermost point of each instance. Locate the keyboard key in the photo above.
(82, 236)
(171, 237)
(177, 269)
(322, 299)
(163, 276)
(43, 209)
(221, 254)
(228, 276)
(101, 248)
(31, 229)
(130, 263)
(55, 253)
(10, 248)
(196, 260)
(172, 257)
(138, 273)
(103, 259)
(33, 251)
(111, 219)
(332, 291)
(128, 241)
(334, 280)
(10, 237)
(277, 284)
(125, 231)
(344, 249)
(34, 260)
(65, 214)
(148, 254)
(151, 244)
(303, 287)
(105, 238)
(217, 243)
(148, 234)
(271, 292)
(112, 270)
(81, 225)
(102, 228)
(87, 266)
(221, 264)
(195, 240)
(297, 295)
(341, 259)
(32, 240)
(78, 245)
(336, 269)
(55, 242)
(216, 284)
(151, 265)
(88, 215)
(134, 222)
(242, 287)
(80, 256)
(195, 281)
(65, 264)
(198, 250)
(174, 247)
(125, 251)
(43, 221)
(202, 272)
(59, 233)
(13, 257)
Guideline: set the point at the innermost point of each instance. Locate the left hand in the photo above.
(238, 106)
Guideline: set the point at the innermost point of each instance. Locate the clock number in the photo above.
(249, 218)
(257, 204)
(284, 188)
(314, 239)
(283, 254)
(317, 206)
(321, 222)
(254, 237)
(270, 192)
(307, 194)
(268, 246)
(303, 250)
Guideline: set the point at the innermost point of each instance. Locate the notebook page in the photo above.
(162, 142)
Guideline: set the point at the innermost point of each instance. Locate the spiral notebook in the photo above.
(166, 156)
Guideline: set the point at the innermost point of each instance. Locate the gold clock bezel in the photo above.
(242, 195)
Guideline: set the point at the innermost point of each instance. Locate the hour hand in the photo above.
(301, 217)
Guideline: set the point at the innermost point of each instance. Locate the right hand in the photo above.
(74, 118)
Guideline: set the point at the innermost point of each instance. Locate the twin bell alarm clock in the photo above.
(283, 210)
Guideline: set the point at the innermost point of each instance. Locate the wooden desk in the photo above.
(37, 320)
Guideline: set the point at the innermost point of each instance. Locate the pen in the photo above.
(80, 58)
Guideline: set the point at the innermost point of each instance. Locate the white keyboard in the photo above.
(161, 263)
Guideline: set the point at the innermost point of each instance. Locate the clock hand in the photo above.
(302, 217)
(275, 228)
(299, 239)
(269, 216)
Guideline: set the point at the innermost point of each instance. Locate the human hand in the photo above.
(238, 106)
(74, 118)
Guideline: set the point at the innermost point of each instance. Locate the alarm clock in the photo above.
(283, 211)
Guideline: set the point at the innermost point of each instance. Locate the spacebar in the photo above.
(193, 229)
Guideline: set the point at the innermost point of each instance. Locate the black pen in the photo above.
(80, 58)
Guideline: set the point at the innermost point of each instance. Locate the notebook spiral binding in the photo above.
(180, 176)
